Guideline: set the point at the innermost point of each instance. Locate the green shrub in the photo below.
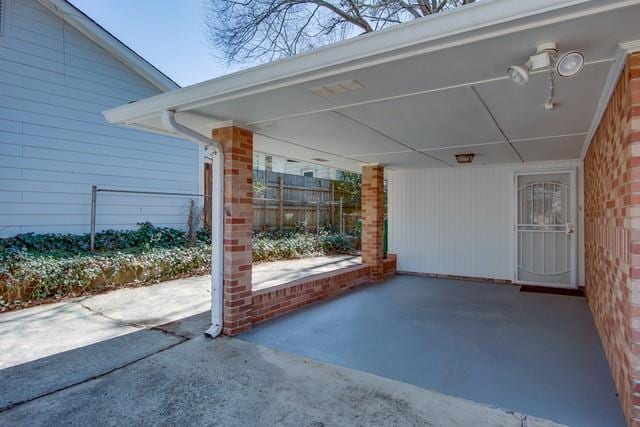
(48, 265)
(275, 245)
(29, 276)
(145, 237)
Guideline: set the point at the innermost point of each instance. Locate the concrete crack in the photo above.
(91, 378)
(131, 324)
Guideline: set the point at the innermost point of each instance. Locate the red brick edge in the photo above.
(272, 302)
(389, 265)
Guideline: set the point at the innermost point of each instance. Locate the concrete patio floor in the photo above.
(535, 353)
(28, 334)
(230, 382)
(139, 353)
(113, 359)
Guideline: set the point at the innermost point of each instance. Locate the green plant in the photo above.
(351, 184)
(275, 245)
(28, 276)
(34, 267)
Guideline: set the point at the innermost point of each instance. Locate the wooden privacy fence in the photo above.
(283, 202)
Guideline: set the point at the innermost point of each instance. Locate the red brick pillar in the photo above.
(372, 219)
(238, 204)
(633, 222)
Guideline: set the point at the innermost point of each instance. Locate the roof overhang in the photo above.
(432, 88)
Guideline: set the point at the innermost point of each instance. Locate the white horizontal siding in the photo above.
(456, 221)
(55, 144)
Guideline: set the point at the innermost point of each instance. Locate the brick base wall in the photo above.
(612, 237)
(389, 265)
(272, 302)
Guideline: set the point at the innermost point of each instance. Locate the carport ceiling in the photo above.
(424, 100)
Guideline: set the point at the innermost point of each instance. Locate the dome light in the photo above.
(570, 64)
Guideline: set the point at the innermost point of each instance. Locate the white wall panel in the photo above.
(55, 144)
(457, 221)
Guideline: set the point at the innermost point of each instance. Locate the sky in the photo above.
(170, 34)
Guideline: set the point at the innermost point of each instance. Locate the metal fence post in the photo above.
(341, 218)
(281, 203)
(92, 244)
(317, 216)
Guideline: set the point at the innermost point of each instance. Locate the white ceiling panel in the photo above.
(484, 154)
(520, 112)
(436, 120)
(408, 160)
(265, 144)
(330, 132)
(558, 148)
(596, 36)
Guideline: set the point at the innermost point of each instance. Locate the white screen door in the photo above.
(545, 229)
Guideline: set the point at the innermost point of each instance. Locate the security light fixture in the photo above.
(519, 74)
(547, 58)
(465, 158)
(570, 64)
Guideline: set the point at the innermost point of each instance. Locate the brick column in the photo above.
(372, 219)
(238, 203)
(633, 223)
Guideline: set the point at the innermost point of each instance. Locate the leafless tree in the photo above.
(259, 30)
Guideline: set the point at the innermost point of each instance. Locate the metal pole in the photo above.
(281, 203)
(341, 218)
(333, 204)
(317, 216)
(92, 244)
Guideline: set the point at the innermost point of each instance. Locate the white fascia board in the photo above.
(478, 21)
(74, 17)
(624, 50)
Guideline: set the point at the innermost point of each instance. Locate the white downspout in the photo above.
(217, 210)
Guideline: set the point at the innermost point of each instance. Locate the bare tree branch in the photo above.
(259, 30)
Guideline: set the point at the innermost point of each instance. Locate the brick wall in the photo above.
(272, 302)
(389, 265)
(238, 203)
(372, 200)
(612, 235)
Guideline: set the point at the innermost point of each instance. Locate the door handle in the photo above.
(570, 229)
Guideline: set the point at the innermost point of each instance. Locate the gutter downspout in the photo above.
(217, 211)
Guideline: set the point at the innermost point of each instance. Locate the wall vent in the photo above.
(337, 88)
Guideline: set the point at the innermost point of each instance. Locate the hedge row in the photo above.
(35, 267)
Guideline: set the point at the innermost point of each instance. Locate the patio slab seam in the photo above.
(13, 405)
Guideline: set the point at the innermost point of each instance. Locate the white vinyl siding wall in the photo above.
(459, 221)
(55, 144)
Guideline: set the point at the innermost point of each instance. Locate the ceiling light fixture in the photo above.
(465, 158)
(546, 57)
(519, 74)
(570, 64)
